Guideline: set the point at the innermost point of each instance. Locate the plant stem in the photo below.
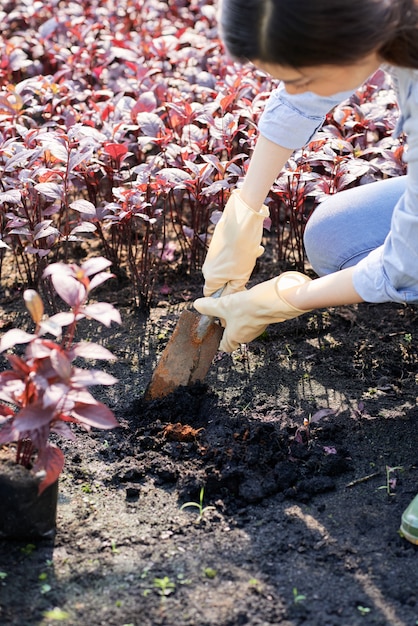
(24, 452)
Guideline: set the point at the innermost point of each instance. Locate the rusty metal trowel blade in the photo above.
(187, 356)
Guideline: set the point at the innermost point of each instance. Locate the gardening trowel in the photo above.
(187, 357)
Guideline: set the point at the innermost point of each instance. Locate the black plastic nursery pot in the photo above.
(23, 513)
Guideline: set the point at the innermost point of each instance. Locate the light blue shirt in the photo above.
(390, 272)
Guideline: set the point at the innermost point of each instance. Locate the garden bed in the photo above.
(301, 530)
(124, 128)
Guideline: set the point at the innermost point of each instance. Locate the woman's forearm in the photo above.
(266, 163)
(335, 289)
(332, 290)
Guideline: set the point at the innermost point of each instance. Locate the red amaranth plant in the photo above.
(44, 392)
(126, 125)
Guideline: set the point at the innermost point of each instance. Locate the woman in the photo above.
(363, 243)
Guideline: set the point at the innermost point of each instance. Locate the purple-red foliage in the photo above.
(44, 392)
(124, 123)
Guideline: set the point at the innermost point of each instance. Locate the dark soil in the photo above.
(290, 441)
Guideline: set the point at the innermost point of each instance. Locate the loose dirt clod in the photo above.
(239, 459)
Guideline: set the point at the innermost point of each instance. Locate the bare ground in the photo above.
(300, 532)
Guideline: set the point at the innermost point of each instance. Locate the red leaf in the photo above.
(102, 312)
(316, 417)
(12, 196)
(52, 462)
(94, 265)
(90, 350)
(150, 124)
(8, 433)
(84, 206)
(13, 337)
(146, 102)
(69, 289)
(52, 191)
(97, 415)
(83, 378)
(32, 417)
(116, 151)
(5, 411)
(60, 363)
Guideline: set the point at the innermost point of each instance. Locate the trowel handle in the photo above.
(206, 320)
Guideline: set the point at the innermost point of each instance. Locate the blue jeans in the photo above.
(348, 225)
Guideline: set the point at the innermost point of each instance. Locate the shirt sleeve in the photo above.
(390, 273)
(292, 120)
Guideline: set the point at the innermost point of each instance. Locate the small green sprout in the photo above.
(264, 336)
(390, 485)
(199, 505)
(288, 350)
(28, 549)
(3, 575)
(255, 584)
(45, 587)
(57, 615)
(165, 586)
(182, 580)
(145, 573)
(297, 597)
(209, 572)
(364, 610)
(113, 547)
(162, 335)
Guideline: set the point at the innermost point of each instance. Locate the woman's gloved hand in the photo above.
(247, 314)
(235, 247)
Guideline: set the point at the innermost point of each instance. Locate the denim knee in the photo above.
(319, 241)
(346, 226)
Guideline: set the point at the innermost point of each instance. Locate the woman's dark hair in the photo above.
(302, 33)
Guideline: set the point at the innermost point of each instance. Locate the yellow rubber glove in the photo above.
(235, 247)
(247, 314)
